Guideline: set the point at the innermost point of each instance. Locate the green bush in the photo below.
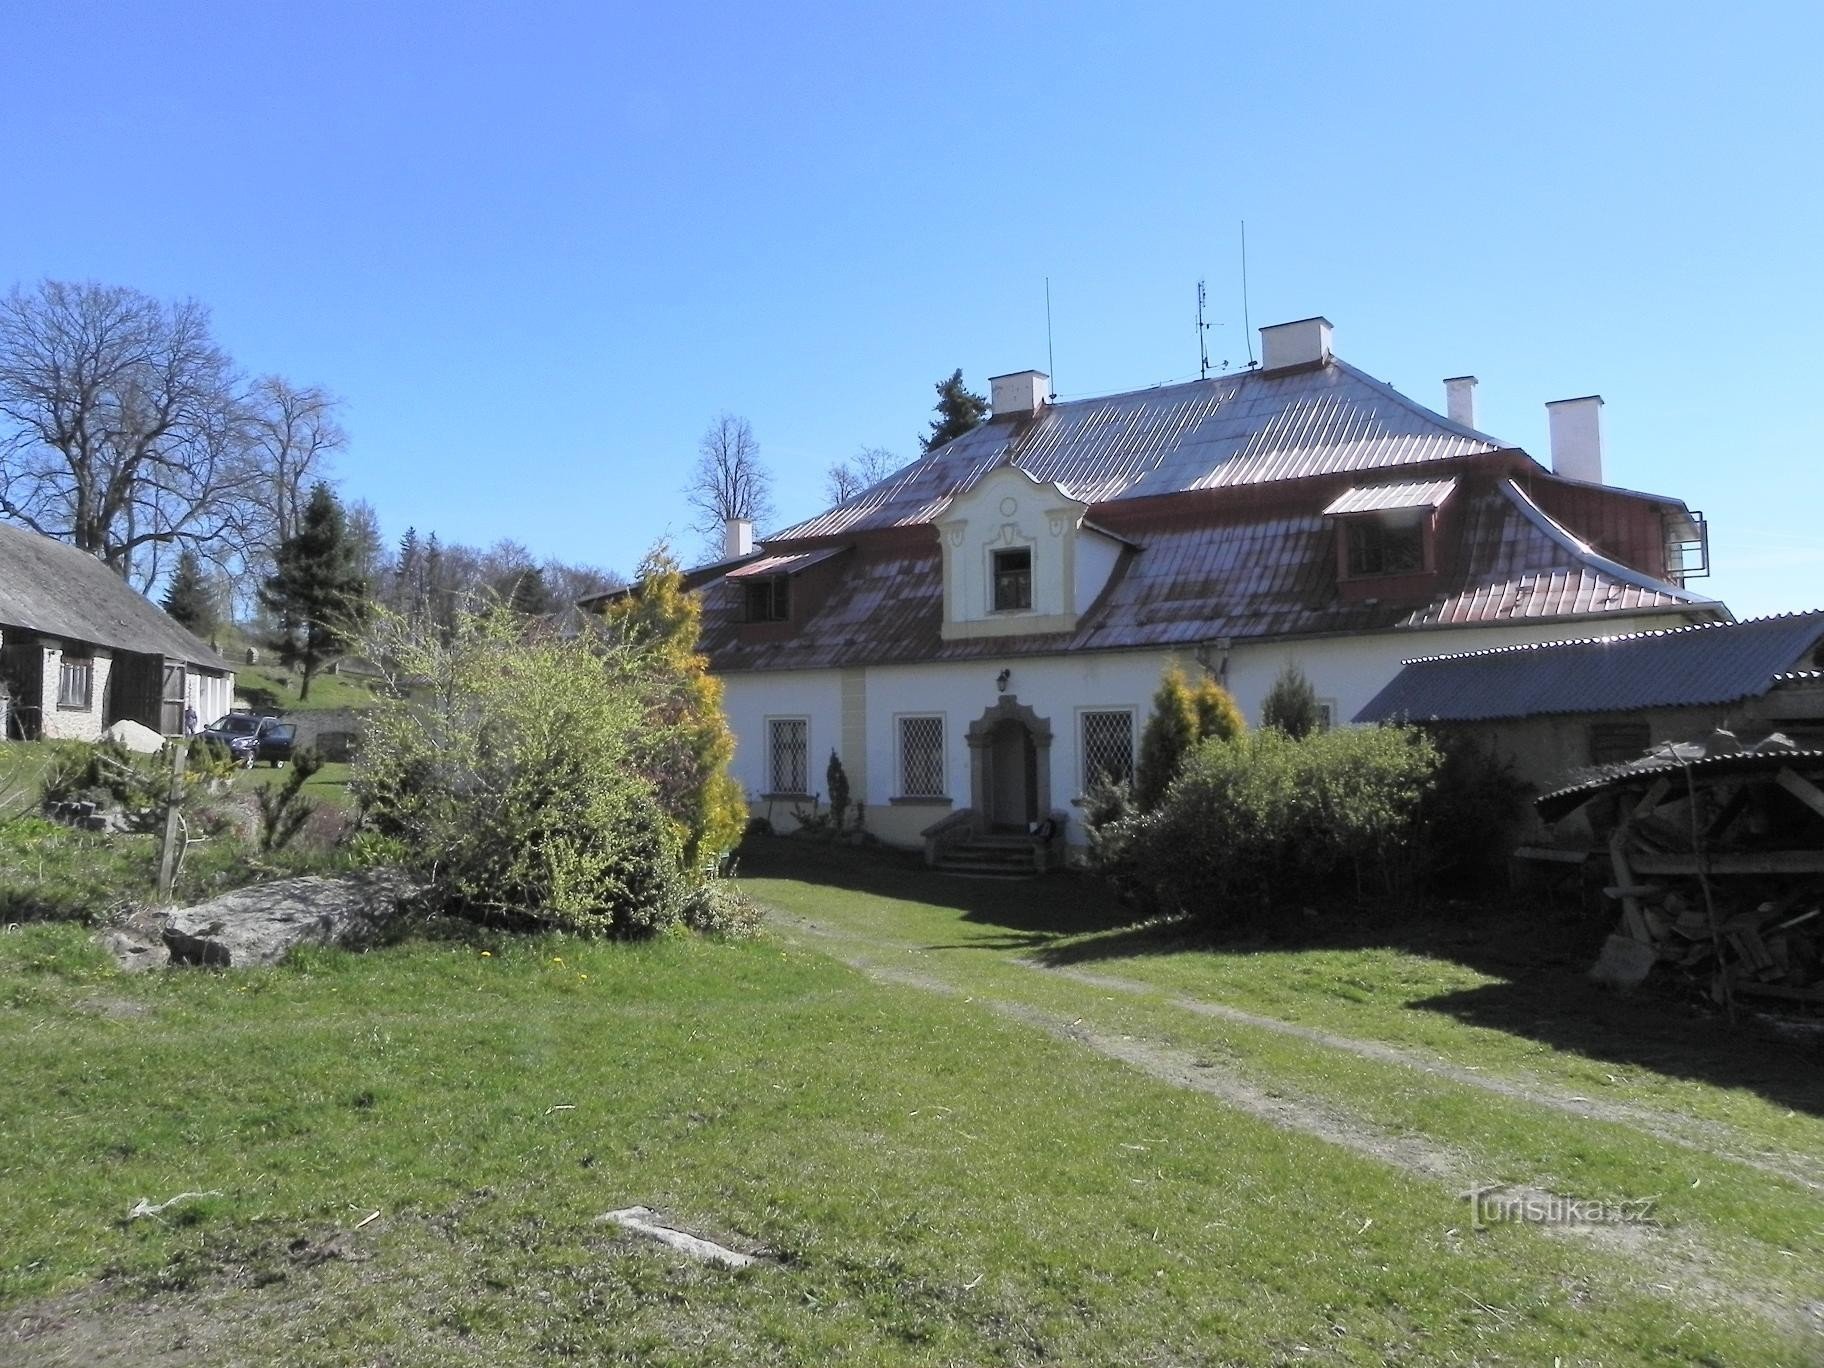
(515, 778)
(103, 772)
(1266, 820)
(1471, 817)
(717, 908)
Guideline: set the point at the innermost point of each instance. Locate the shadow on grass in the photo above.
(1037, 911)
(1541, 952)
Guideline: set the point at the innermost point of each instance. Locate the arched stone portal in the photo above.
(1010, 766)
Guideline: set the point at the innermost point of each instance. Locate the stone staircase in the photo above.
(958, 845)
(993, 857)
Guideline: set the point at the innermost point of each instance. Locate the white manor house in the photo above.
(979, 635)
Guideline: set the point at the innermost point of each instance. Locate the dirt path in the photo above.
(1677, 1262)
(1703, 1137)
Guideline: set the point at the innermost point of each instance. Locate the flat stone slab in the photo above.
(259, 925)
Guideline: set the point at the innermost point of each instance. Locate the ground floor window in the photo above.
(789, 749)
(1108, 746)
(921, 757)
(75, 683)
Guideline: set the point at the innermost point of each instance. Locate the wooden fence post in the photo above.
(171, 847)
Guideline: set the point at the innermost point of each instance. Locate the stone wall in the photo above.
(74, 724)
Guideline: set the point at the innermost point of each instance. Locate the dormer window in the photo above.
(769, 599)
(1013, 580)
(1386, 544)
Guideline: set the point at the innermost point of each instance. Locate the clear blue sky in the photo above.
(537, 247)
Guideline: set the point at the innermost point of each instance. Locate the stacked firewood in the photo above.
(1717, 855)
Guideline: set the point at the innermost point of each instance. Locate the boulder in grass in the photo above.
(259, 925)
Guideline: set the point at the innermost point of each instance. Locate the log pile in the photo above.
(1716, 851)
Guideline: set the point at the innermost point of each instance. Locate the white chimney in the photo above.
(737, 538)
(1019, 395)
(1460, 400)
(1577, 438)
(1304, 343)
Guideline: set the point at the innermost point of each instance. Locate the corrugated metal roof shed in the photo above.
(50, 587)
(1243, 429)
(1386, 498)
(1712, 663)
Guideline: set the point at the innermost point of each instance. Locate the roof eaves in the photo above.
(1593, 558)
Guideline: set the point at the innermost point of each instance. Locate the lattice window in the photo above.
(791, 754)
(75, 683)
(921, 757)
(1108, 747)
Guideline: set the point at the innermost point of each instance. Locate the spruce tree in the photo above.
(958, 410)
(704, 801)
(1291, 704)
(316, 595)
(189, 597)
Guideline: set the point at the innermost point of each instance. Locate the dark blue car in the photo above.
(252, 739)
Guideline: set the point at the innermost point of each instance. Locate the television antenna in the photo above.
(1203, 338)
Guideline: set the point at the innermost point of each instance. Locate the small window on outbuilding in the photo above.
(1013, 579)
(1616, 743)
(1385, 546)
(75, 683)
(768, 599)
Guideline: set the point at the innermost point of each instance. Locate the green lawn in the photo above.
(942, 1170)
(274, 686)
(328, 786)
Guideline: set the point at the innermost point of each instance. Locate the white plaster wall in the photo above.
(1097, 557)
(1346, 671)
(751, 698)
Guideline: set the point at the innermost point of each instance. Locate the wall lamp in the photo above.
(1000, 681)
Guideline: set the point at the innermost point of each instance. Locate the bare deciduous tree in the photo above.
(866, 468)
(121, 426)
(294, 433)
(728, 480)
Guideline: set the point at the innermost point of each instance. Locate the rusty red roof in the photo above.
(1187, 580)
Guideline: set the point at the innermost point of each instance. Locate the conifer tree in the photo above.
(315, 594)
(189, 597)
(1291, 704)
(958, 410)
(1170, 733)
(1184, 716)
(695, 789)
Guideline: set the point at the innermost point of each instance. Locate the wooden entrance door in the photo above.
(1013, 760)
